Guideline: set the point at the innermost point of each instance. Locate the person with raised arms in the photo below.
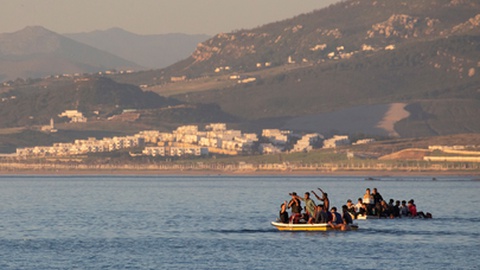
(324, 199)
(296, 207)
(309, 206)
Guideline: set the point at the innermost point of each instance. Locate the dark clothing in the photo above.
(396, 211)
(295, 208)
(337, 218)
(352, 212)
(329, 216)
(377, 198)
(347, 218)
(284, 217)
(321, 217)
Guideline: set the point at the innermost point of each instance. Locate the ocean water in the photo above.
(219, 222)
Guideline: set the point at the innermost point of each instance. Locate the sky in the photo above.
(150, 16)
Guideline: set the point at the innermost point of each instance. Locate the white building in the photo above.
(336, 140)
(216, 127)
(306, 142)
(364, 141)
(276, 136)
(268, 148)
(74, 116)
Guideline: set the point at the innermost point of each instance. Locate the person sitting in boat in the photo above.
(396, 209)
(283, 213)
(346, 215)
(296, 206)
(324, 199)
(309, 206)
(391, 205)
(320, 215)
(404, 209)
(359, 206)
(384, 210)
(337, 220)
(364, 210)
(413, 211)
(351, 209)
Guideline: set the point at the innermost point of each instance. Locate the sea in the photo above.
(223, 222)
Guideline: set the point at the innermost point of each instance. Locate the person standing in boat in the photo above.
(296, 206)
(368, 200)
(320, 215)
(377, 198)
(309, 206)
(324, 199)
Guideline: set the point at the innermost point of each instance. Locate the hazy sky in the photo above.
(150, 16)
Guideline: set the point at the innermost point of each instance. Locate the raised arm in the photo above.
(316, 195)
(294, 201)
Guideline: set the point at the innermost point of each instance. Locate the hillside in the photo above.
(36, 102)
(35, 52)
(149, 51)
(422, 53)
(110, 108)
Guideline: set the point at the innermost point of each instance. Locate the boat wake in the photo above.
(247, 231)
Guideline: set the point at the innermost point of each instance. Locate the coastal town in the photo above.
(199, 148)
(190, 140)
(195, 149)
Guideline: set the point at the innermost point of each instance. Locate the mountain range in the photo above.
(149, 51)
(35, 52)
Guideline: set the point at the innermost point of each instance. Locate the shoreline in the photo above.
(126, 172)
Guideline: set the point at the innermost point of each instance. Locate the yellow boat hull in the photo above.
(305, 227)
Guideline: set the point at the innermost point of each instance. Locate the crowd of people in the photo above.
(372, 204)
(312, 213)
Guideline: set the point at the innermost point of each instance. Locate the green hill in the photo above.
(35, 102)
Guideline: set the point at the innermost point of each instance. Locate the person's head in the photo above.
(360, 200)
(349, 202)
(404, 202)
(391, 201)
(344, 208)
(293, 194)
(325, 194)
(397, 202)
(374, 190)
(307, 195)
(367, 190)
(334, 209)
